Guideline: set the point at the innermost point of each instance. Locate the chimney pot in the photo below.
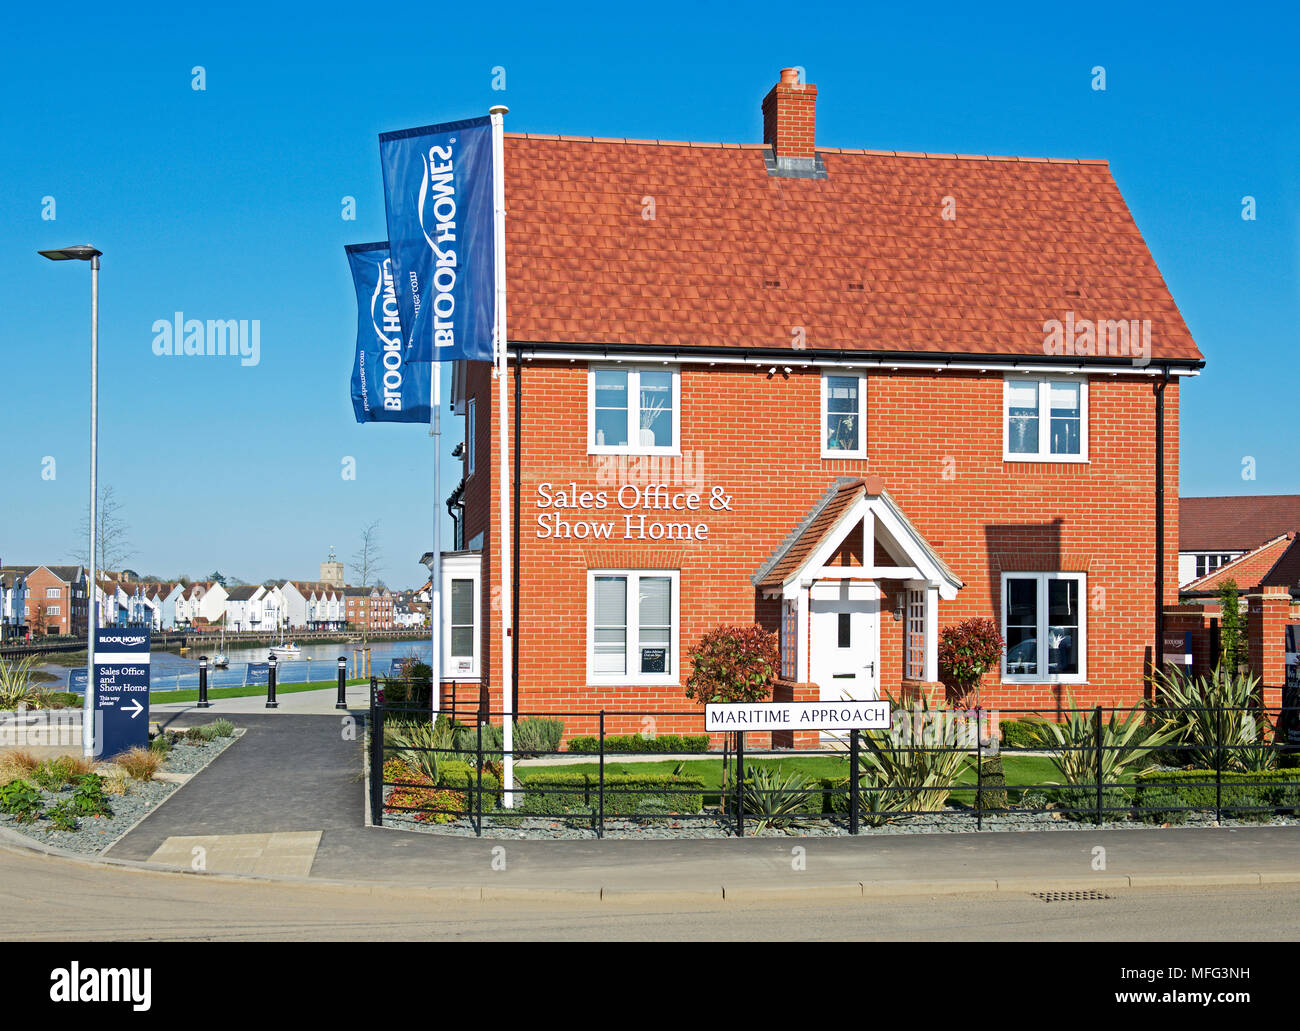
(789, 120)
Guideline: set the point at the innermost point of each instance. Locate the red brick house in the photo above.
(854, 395)
(56, 599)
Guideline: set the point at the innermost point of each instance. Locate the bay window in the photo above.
(1045, 627)
(632, 626)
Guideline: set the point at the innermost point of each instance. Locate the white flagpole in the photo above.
(435, 568)
(503, 389)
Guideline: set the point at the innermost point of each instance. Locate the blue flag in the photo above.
(438, 199)
(385, 386)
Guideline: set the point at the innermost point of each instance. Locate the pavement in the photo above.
(296, 702)
(289, 797)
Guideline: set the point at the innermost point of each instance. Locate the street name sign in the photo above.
(724, 717)
(121, 689)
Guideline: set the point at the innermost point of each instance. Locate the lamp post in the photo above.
(84, 252)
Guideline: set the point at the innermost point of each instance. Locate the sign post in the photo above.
(121, 690)
(730, 717)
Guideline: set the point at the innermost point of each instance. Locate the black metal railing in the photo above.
(931, 764)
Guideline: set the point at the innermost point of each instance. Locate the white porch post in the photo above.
(932, 633)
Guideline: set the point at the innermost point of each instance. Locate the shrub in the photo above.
(1073, 744)
(968, 650)
(1034, 800)
(162, 744)
(537, 735)
(88, 796)
(223, 728)
(1022, 733)
(64, 816)
(733, 664)
(140, 763)
(911, 767)
(557, 794)
(16, 684)
(463, 776)
(414, 790)
(1215, 719)
(413, 689)
(52, 774)
(1079, 802)
(624, 743)
(467, 743)
(777, 796)
(194, 735)
(1166, 796)
(21, 800)
(423, 744)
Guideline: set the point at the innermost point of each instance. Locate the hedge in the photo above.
(1247, 796)
(555, 794)
(452, 773)
(1021, 733)
(640, 743)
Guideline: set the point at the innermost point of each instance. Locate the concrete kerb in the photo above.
(12, 841)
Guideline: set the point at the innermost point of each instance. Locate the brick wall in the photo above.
(934, 438)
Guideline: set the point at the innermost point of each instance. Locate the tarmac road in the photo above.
(47, 898)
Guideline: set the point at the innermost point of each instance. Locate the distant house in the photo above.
(13, 603)
(55, 600)
(237, 605)
(369, 608)
(264, 609)
(1213, 531)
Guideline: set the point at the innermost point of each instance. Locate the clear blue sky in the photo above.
(226, 203)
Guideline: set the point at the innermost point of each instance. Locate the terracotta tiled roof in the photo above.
(862, 259)
(1235, 523)
(1249, 571)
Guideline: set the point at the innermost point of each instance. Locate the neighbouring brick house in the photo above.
(846, 393)
(369, 608)
(1268, 582)
(56, 599)
(1215, 530)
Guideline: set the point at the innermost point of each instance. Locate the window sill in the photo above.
(1047, 459)
(1047, 681)
(666, 452)
(851, 455)
(635, 682)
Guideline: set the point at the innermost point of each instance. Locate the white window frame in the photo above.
(632, 447)
(633, 643)
(471, 417)
(1043, 677)
(861, 450)
(1044, 452)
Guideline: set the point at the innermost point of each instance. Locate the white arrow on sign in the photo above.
(138, 708)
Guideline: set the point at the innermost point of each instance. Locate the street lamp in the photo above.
(84, 252)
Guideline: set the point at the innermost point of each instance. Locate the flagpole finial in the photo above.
(498, 109)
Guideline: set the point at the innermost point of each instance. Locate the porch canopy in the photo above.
(855, 536)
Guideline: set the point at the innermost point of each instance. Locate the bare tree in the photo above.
(367, 560)
(112, 543)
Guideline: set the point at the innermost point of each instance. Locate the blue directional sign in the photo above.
(77, 680)
(257, 674)
(121, 689)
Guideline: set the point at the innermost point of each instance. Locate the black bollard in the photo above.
(342, 703)
(203, 683)
(271, 703)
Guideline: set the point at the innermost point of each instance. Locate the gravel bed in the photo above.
(712, 826)
(96, 833)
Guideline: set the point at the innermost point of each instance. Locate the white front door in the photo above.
(844, 656)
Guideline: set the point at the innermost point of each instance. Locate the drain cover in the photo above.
(1070, 896)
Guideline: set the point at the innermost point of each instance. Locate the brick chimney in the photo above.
(789, 123)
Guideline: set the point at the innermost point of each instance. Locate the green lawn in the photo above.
(162, 697)
(1019, 770)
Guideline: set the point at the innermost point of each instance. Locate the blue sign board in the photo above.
(397, 667)
(257, 674)
(77, 680)
(121, 689)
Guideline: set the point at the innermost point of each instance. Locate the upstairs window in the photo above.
(1045, 420)
(633, 410)
(844, 416)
